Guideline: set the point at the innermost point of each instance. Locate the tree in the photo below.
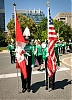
(2, 40)
(44, 35)
(24, 22)
(39, 31)
(41, 28)
(65, 32)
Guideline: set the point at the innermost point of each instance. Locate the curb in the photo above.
(4, 51)
(65, 62)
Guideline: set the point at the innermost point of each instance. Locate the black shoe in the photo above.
(38, 69)
(11, 62)
(46, 88)
(28, 90)
(53, 88)
(41, 70)
(23, 90)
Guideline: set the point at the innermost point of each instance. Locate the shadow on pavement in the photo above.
(37, 85)
(62, 84)
(58, 85)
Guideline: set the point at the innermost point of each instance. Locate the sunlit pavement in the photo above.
(10, 84)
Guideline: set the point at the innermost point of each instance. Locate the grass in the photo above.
(3, 48)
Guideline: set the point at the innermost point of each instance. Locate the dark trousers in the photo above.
(63, 50)
(27, 82)
(51, 79)
(12, 56)
(23, 81)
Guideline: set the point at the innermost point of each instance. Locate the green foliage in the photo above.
(44, 35)
(24, 22)
(57, 24)
(61, 38)
(65, 31)
(39, 31)
(41, 28)
(2, 40)
(3, 48)
(8, 39)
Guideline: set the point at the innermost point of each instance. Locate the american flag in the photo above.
(52, 39)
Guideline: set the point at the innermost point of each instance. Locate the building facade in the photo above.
(2, 16)
(65, 17)
(35, 15)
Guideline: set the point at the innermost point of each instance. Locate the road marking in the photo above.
(33, 72)
(66, 62)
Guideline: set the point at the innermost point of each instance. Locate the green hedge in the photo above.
(3, 48)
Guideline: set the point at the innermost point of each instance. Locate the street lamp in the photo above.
(59, 29)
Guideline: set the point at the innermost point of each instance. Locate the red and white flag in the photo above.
(52, 39)
(20, 44)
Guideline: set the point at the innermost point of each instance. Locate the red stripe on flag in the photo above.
(51, 28)
(52, 33)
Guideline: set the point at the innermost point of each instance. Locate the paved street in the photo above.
(10, 84)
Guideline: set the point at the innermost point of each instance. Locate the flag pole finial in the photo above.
(48, 3)
(14, 4)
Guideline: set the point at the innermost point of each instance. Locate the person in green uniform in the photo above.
(63, 47)
(51, 79)
(28, 55)
(11, 49)
(45, 58)
(59, 46)
(57, 54)
(70, 45)
(33, 56)
(38, 54)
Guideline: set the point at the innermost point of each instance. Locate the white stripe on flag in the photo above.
(54, 36)
(50, 43)
(51, 25)
(50, 30)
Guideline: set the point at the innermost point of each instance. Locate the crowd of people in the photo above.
(38, 55)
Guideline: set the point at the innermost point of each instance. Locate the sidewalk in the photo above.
(66, 59)
(4, 51)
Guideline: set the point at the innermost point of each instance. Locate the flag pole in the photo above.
(47, 4)
(15, 33)
(15, 15)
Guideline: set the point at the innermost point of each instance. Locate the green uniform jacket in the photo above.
(45, 53)
(11, 47)
(57, 54)
(30, 50)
